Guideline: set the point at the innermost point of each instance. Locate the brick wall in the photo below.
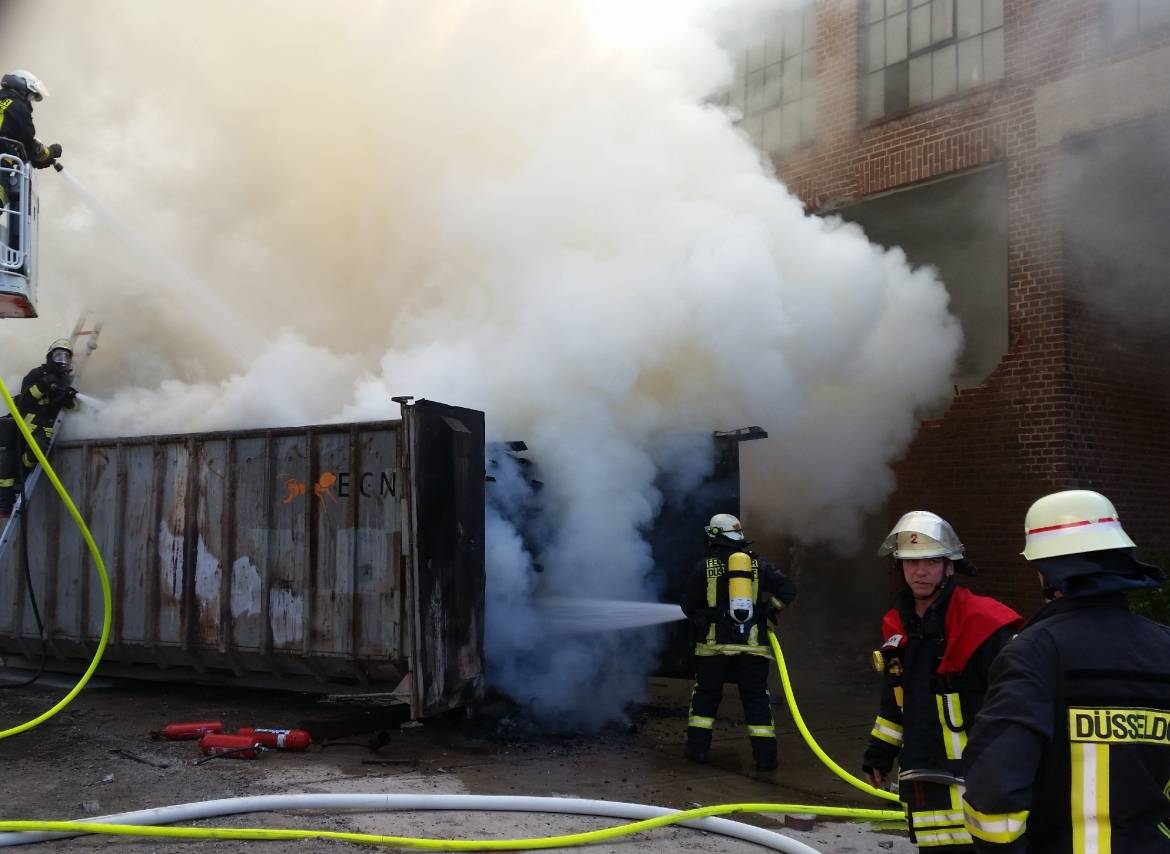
(1052, 415)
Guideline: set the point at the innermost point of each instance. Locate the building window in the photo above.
(918, 51)
(1129, 18)
(774, 85)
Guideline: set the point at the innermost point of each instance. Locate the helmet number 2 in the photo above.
(914, 539)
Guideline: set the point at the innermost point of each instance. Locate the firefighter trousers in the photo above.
(934, 812)
(16, 458)
(750, 673)
(9, 467)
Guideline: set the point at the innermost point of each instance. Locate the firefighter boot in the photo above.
(698, 744)
(764, 752)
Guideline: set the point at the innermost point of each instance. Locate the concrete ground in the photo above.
(92, 759)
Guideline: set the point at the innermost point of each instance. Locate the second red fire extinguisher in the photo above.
(279, 739)
(187, 731)
(234, 746)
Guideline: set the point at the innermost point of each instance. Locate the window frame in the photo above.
(1139, 34)
(805, 106)
(954, 40)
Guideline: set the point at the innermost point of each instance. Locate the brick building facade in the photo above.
(1079, 395)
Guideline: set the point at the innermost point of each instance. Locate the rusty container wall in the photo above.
(270, 557)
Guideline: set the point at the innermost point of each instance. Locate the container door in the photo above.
(446, 451)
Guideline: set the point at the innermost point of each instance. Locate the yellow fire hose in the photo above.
(524, 844)
(856, 782)
(567, 840)
(107, 603)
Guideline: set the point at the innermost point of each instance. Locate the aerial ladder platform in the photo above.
(18, 233)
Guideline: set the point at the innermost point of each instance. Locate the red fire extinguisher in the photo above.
(187, 731)
(233, 746)
(279, 739)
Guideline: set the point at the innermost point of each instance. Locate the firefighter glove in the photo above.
(772, 611)
(699, 621)
(55, 150)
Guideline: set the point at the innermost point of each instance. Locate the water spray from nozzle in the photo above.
(90, 400)
(201, 304)
(565, 615)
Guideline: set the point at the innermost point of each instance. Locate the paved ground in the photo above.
(66, 768)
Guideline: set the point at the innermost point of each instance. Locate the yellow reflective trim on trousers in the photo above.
(761, 731)
(7, 481)
(950, 712)
(1001, 828)
(698, 721)
(934, 838)
(935, 818)
(1090, 798)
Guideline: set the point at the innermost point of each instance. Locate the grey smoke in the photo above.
(520, 206)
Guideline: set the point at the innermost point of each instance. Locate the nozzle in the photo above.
(58, 166)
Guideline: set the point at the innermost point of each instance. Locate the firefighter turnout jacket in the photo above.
(44, 392)
(706, 602)
(936, 671)
(16, 123)
(1071, 752)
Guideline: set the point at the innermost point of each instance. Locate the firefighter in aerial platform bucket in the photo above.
(1071, 752)
(939, 642)
(729, 598)
(18, 90)
(44, 392)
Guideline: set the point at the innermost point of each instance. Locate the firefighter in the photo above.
(18, 90)
(729, 597)
(1071, 752)
(44, 392)
(939, 642)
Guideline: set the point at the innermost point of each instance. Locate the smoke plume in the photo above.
(526, 207)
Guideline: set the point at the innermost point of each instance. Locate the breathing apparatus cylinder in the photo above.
(739, 587)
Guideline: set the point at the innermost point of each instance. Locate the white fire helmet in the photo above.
(27, 82)
(921, 534)
(725, 525)
(1071, 522)
(60, 353)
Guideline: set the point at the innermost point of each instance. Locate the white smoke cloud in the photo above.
(520, 206)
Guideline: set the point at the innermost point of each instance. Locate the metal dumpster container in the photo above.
(310, 558)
